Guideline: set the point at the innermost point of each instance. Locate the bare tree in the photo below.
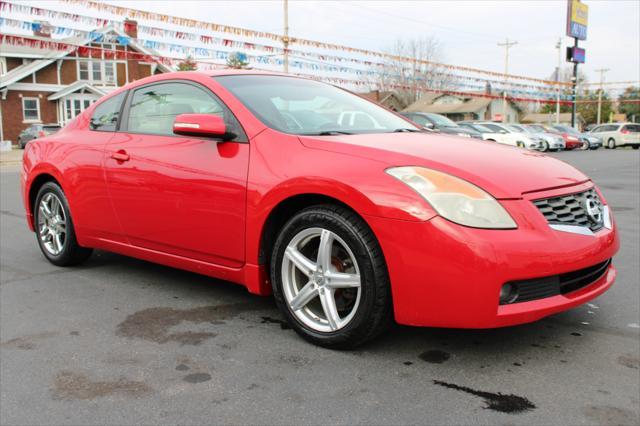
(410, 68)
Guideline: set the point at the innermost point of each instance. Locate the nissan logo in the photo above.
(594, 211)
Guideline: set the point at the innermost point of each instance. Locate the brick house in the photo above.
(38, 85)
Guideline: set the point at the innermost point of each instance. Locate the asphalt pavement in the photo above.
(123, 341)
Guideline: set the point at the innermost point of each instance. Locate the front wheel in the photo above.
(54, 228)
(545, 146)
(329, 278)
(584, 146)
(611, 143)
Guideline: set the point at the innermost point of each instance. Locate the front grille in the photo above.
(572, 210)
(539, 288)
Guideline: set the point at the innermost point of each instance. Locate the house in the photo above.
(39, 84)
(472, 106)
(549, 118)
(388, 99)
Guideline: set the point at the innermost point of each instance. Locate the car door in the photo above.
(181, 195)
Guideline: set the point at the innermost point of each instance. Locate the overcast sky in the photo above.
(468, 30)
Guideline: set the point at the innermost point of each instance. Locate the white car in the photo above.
(511, 136)
(550, 141)
(618, 134)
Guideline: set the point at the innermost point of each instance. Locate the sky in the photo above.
(468, 30)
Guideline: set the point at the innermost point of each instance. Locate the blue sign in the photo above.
(578, 31)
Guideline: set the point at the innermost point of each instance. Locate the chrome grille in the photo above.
(571, 210)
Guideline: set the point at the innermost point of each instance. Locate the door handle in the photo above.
(120, 156)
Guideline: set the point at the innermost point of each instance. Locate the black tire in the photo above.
(374, 313)
(71, 253)
(636, 146)
(545, 146)
(585, 146)
(611, 143)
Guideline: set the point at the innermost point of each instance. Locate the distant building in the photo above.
(38, 85)
(389, 100)
(460, 107)
(550, 119)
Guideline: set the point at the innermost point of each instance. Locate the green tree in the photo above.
(589, 110)
(188, 64)
(237, 60)
(630, 108)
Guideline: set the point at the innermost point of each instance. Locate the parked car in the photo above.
(513, 137)
(348, 226)
(440, 123)
(571, 140)
(36, 131)
(618, 134)
(588, 141)
(549, 141)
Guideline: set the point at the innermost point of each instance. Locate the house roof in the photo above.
(78, 85)
(565, 117)
(426, 104)
(25, 70)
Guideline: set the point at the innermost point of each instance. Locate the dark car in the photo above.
(36, 131)
(440, 123)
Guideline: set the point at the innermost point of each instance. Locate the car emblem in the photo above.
(594, 211)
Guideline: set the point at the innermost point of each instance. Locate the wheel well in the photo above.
(282, 213)
(35, 187)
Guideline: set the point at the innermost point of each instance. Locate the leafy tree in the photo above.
(631, 108)
(237, 60)
(589, 111)
(188, 64)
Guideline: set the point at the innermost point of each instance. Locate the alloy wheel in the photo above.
(321, 280)
(52, 224)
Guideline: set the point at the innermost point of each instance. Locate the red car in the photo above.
(343, 210)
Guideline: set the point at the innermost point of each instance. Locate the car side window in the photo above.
(154, 108)
(105, 115)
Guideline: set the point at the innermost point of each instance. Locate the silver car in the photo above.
(618, 134)
(551, 141)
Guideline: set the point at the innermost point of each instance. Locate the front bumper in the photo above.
(447, 275)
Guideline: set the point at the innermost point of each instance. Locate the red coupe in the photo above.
(343, 210)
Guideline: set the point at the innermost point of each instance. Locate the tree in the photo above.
(408, 71)
(589, 110)
(566, 75)
(188, 64)
(237, 60)
(632, 109)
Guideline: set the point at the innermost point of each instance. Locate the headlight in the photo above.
(455, 199)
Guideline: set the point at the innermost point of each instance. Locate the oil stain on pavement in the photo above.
(153, 324)
(435, 356)
(511, 404)
(71, 386)
(197, 377)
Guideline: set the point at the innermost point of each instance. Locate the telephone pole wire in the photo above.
(507, 45)
(601, 71)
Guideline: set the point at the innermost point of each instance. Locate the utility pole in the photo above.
(507, 45)
(601, 71)
(559, 47)
(285, 38)
(574, 89)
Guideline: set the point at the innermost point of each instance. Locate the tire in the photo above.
(545, 146)
(59, 245)
(611, 143)
(585, 146)
(636, 146)
(365, 309)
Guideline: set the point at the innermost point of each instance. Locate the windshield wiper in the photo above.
(330, 133)
(406, 130)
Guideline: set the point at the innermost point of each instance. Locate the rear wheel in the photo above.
(611, 143)
(329, 278)
(54, 228)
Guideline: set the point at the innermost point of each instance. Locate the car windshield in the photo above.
(306, 107)
(441, 120)
(536, 128)
(567, 129)
(517, 128)
(480, 128)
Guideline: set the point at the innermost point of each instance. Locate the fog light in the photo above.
(508, 294)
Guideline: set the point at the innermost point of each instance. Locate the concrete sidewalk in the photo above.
(11, 158)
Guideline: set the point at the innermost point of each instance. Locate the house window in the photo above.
(97, 71)
(30, 109)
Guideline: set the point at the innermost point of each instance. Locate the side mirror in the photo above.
(207, 125)
(428, 126)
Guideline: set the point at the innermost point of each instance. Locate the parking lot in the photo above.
(123, 341)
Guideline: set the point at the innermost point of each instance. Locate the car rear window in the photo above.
(633, 128)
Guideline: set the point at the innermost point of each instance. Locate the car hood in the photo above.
(503, 171)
